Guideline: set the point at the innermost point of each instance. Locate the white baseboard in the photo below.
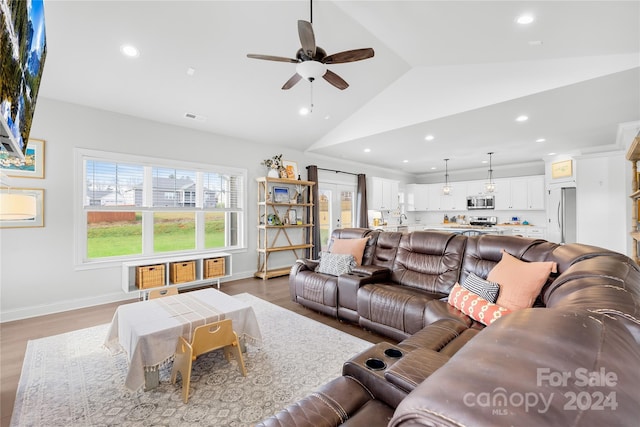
(75, 304)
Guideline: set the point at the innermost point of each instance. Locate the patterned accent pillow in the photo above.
(475, 306)
(486, 289)
(335, 264)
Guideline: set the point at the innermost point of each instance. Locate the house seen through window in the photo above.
(141, 209)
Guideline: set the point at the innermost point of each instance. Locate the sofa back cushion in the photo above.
(484, 252)
(386, 249)
(429, 260)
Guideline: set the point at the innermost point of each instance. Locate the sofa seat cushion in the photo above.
(388, 307)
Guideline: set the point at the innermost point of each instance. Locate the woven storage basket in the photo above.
(213, 267)
(149, 276)
(184, 271)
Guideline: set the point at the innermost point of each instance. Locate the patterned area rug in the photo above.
(72, 380)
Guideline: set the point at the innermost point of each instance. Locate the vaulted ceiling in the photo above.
(460, 71)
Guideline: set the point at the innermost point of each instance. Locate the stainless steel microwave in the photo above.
(481, 202)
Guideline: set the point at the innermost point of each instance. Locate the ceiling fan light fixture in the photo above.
(311, 70)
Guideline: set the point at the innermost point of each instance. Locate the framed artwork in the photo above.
(281, 194)
(291, 168)
(31, 167)
(562, 169)
(21, 207)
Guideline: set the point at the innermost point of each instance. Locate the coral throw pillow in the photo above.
(520, 282)
(353, 247)
(475, 306)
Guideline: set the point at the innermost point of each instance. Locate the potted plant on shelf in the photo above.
(274, 165)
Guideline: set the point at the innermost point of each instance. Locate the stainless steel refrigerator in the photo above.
(561, 215)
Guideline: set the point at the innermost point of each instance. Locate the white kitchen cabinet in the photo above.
(475, 188)
(457, 198)
(382, 194)
(527, 231)
(536, 192)
(417, 197)
(523, 193)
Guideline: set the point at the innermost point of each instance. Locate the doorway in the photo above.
(337, 209)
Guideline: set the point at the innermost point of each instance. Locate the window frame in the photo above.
(80, 210)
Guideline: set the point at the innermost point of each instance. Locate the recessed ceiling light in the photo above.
(327, 117)
(191, 71)
(525, 19)
(433, 168)
(367, 150)
(304, 111)
(535, 42)
(129, 50)
(552, 154)
(405, 161)
(522, 118)
(485, 161)
(540, 140)
(429, 137)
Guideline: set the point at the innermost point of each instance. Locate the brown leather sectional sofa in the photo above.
(573, 359)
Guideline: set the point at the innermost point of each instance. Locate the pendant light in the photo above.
(490, 186)
(446, 190)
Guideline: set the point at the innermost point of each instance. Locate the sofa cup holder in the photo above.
(375, 364)
(394, 353)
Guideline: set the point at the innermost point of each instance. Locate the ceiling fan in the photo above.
(312, 59)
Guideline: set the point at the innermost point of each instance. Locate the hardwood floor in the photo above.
(14, 335)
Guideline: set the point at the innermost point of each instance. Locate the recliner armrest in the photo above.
(308, 264)
(380, 273)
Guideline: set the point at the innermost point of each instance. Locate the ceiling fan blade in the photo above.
(307, 38)
(272, 58)
(349, 56)
(292, 81)
(335, 80)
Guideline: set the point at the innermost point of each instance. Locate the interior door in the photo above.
(337, 209)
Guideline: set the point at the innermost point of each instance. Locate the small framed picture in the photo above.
(281, 194)
(291, 168)
(562, 169)
(293, 217)
(21, 207)
(31, 167)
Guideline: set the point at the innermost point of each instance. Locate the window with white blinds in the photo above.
(136, 207)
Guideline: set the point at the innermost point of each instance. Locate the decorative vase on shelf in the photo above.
(273, 173)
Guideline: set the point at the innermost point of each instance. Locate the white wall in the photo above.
(602, 200)
(37, 272)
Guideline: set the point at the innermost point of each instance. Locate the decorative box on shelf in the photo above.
(183, 271)
(149, 276)
(213, 267)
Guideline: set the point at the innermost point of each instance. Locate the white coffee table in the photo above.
(148, 331)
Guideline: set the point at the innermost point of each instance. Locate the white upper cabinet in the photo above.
(520, 193)
(418, 197)
(457, 198)
(382, 194)
(523, 193)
